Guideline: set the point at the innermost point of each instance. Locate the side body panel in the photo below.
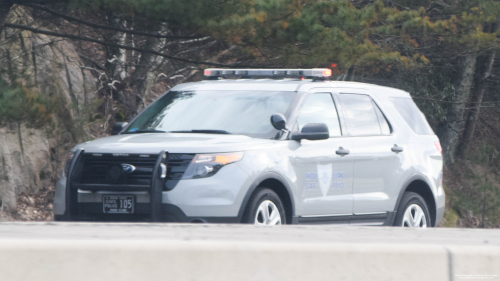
(270, 163)
(379, 173)
(324, 179)
(426, 160)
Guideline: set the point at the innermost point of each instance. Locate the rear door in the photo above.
(380, 160)
(323, 167)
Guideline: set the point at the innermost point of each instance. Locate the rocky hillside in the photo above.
(31, 151)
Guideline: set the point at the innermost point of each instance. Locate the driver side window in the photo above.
(320, 108)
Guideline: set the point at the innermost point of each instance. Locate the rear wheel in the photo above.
(265, 208)
(412, 212)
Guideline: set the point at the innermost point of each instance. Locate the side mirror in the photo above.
(118, 127)
(278, 121)
(312, 131)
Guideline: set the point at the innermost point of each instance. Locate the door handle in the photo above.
(342, 152)
(397, 149)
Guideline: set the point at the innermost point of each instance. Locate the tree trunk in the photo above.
(138, 79)
(4, 11)
(477, 100)
(455, 117)
(128, 54)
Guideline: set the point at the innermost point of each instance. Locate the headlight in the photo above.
(207, 165)
(69, 157)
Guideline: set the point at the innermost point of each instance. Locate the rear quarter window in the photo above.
(412, 116)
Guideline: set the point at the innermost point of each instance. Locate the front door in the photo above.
(324, 168)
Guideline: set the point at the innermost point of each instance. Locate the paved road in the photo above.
(133, 251)
(220, 232)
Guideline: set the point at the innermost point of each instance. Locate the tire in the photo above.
(412, 212)
(64, 217)
(59, 218)
(265, 199)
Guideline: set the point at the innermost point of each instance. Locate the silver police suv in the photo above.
(273, 146)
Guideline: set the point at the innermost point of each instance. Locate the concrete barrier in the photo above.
(129, 257)
(215, 260)
(469, 263)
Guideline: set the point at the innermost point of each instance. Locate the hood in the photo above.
(153, 143)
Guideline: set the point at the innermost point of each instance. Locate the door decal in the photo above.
(324, 177)
(310, 185)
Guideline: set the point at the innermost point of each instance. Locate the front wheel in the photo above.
(412, 212)
(265, 208)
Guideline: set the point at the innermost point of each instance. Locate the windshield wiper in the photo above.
(145, 131)
(202, 132)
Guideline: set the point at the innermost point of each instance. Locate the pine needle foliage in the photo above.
(20, 104)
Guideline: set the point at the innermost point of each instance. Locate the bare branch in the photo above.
(75, 37)
(85, 67)
(73, 19)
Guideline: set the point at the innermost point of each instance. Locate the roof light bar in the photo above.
(314, 73)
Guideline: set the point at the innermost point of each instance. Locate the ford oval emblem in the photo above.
(127, 168)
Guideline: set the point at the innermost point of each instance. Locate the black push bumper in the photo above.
(154, 211)
(169, 213)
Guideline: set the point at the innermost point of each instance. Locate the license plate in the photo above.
(118, 204)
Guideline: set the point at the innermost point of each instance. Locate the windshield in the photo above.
(220, 112)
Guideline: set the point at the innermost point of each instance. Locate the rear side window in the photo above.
(412, 116)
(360, 115)
(320, 108)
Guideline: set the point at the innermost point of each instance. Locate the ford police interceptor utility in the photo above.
(274, 146)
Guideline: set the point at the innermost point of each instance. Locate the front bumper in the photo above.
(214, 199)
(170, 213)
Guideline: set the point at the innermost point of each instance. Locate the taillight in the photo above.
(438, 146)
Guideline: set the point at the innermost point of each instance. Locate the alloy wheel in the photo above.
(267, 214)
(414, 217)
